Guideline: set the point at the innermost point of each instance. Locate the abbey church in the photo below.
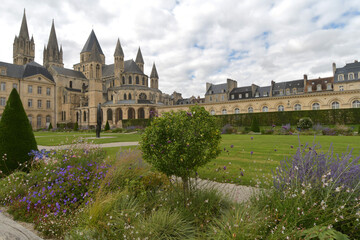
(53, 94)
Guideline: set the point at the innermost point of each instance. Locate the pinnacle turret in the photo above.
(118, 50)
(53, 43)
(139, 58)
(24, 33)
(154, 73)
(23, 47)
(52, 55)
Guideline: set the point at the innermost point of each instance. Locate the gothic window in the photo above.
(316, 106)
(212, 112)
(91, 71)
(123, 80)
(224, 111)
(142, 96)
(143, 81)
(84, 116)
(125, 96)
(250, 110)
(137, 80)
(237, 110)
(335, 105)
(356, 104)
(280, 108)
(265, 109)
(130, 80)
(129, 96)
(297, 107)
(109, 114)
(70, 84)
(318, 87)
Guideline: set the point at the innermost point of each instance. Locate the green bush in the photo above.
(50, 127)
(305, 123)
(76, 126)
(16, 135)
(255, 125)
(107, 126)
(179, 142)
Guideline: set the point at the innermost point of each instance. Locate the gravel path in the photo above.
(102, 145)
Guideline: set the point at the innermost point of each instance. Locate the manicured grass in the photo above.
(61, 138)
(267, 150)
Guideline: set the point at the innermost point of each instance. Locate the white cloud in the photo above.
(194, 41)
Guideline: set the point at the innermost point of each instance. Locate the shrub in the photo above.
(16, 135)
(228, 129)
(107, 126)
(76, 126)
(305, 123)
(50, 127)
(255, 125)
(179, 142)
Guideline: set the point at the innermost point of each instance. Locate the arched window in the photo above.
(91, 71)
(356, 104)
(335, 105)
(137, 80)
(70, 84)
(143, 81)
(130, 80)
(281, 108)
(341, 77)
(109, 115)
(351, 76)
(84, 116)
(123, 80)
(297, 107)
(129, 96)
(250, 110)
(77, 116)
(39, 121)
(224, 111)
(83, 68)
(265, 109)
(237, 111)
(98, 71)
(212, 112)
(142, 96)
(318, 87)
(30, 119)
(124, 96)
(316, 106)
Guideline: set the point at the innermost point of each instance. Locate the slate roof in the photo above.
(218, 88)
(69, 72)
(53, 43)
(24, 33)
(348, 68)
(95, 54)
(144, 101)
(263, 91)
(139, 58)
(241, 90)
(126, 101)
(299, 84)
(131, 67)
(90, 42)
(118, 50)
(23, 71)
(108, 70)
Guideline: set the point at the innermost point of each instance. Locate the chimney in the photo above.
(334, 68)
(208, 85)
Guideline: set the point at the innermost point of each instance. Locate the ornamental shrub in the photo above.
(305, 123)
(16, 135)
(255, 125)
(107, 126)
(50, 127)
(76, 126)
(177, 143)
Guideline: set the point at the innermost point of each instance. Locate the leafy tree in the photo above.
(16, 135)
(255, 125)
(107, 126)
(177, 143)
(50, 127)
(76, 126)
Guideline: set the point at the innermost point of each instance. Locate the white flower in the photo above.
(303, 192)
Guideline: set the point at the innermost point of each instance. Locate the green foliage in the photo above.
(50, 127)
(305, 123)
(179, 142)
(255, 125)
(322, 233)
(107, 126)
(137, 123)
(16, 135)
(76, 126)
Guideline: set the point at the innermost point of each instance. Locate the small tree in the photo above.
(107, 126)
(16, 135)
(76, 126)
(50, 127)
(255, 125)
(179, 142)
(305, 123)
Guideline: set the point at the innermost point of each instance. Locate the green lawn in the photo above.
(267, 150)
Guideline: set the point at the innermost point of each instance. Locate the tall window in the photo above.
(129, 96)
(341, 77)
(38, 121)
(48, 91)
(351, 76)
(48, 104)
(70, 84)
(237, 111)
(356, 104)
(250, 110)
(130, 80)
(98, 71)
(48, 119)
(309, 88)
(316, 106)
(210, 98)
(224, 111)
(246, 95)
(39, 103)
(2, 101)
(30, 119)
(288, 91)
(137, 80)
(328, 86)
(29, 102)
(125, 97)
(143, 81)
(335, 105)
(212, 112)
(84, 116)
(232, 96)
(318, 87)
(39, 90)
(297, 107)
(280, 108)
(265, 109)
(3, 85)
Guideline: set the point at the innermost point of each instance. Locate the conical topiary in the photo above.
(76, 126)
(107, 126)
(50, 127)
(16, 135)
(255, 125)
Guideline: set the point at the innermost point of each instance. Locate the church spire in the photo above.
(154, 78)
(52, 55)
(24, 33)
(118, 50)
(139, 60)
(154, 73)
(53, 43)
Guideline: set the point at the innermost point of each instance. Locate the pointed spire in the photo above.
(139, 58)
(154, 73)
(95, 54)
(118, 50)
(92, 40)
(24, 33)
(53, 43)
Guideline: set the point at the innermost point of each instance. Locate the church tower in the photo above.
(154, 78)
(118, 62)
(95, 92)
(52, 55)
(139, 60)
(23, 47)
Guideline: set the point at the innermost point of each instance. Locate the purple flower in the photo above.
(232, 146)
(224, 167)
(275, 150)
(169, 141)
(252, 138)
(292, 146)
(189, 114)
(241, 173)
(273, 125)
(251, 152)
(151, 145)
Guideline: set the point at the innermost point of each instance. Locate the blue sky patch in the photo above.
(334, 25)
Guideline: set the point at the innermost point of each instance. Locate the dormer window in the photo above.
(224, 91)
(265, 94)
(351, 76)
(328, 86)
(341, 77)
(309, 88)
(294, 90)
(240, 95)
(3, 71)
(288, 91)
(257, 94)
(318, 87)
(232, 96)
(246, 95)
(281, 92)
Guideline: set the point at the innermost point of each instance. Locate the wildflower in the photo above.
(252, 138)
(224, 167)
(251, 152)
(338, 189)
(231, 146)
(291, 146)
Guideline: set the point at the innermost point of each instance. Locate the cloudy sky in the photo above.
(196, 41)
